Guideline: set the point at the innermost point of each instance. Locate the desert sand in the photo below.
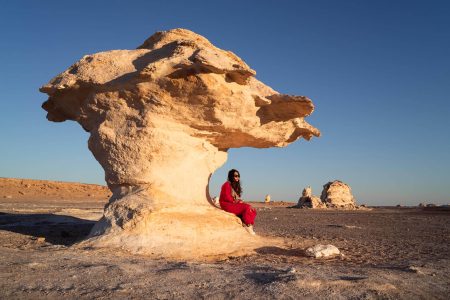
(388, 253)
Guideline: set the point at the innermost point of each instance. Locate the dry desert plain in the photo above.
(387, 253)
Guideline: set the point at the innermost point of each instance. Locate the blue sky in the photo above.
(378, 73)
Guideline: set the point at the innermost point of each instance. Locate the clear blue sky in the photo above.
(377, 71)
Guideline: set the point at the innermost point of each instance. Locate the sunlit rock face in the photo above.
(308, 200)
(337, 194)
(161, 119)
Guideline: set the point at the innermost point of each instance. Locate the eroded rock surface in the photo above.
(336, 194)
(308, 200)
(161, 119)
(322, 251)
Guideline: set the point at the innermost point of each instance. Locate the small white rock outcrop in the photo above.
(320, 251)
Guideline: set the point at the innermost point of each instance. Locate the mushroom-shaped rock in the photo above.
(308, 200)
(161, 119)
(336, 194)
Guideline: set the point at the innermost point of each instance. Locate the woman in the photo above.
(230, 200)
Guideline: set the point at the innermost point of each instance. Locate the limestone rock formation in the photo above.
(307, 191)
(161, 119)
(308, 200)
(336, 194)
(322, 251)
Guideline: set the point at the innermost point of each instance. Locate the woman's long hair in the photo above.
(235, 185)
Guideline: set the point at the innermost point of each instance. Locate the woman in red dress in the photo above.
(230, 200)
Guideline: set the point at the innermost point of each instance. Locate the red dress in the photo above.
(229, 204)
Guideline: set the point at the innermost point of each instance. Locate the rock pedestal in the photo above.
(161, 119)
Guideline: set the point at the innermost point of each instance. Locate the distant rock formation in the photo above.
(336, 194)
(161, 119)
(308, 200)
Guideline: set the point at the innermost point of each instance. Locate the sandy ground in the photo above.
(388, 253)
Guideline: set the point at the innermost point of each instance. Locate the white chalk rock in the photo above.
(308, 200)
(319, 251)
(161, 119)
(337, 194)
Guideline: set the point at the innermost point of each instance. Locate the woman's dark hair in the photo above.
(235, 185)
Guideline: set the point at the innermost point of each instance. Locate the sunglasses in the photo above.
(237, 175)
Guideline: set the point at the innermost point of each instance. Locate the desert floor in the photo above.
(388, 253)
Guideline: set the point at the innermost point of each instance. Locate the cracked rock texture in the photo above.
(161, 119)
(337, 194)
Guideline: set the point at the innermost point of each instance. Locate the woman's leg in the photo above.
(249, 215)
(242, 210)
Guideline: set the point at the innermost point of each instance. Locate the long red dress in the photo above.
(229, 204)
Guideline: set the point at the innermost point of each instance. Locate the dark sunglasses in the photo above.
(237, 175)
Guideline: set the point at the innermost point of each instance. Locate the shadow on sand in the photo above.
(266, 275)
(56, 229)
(272, 250)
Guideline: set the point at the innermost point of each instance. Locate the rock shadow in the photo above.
(56, 229)
(268, 275)
(272, 250)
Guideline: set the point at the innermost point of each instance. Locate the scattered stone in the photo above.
(319, 251)
(8, 197)
(291, 270)
(352, 227)
(22, 193)
(415, 269)
(337, 194)
(40, 239)
(345, 226)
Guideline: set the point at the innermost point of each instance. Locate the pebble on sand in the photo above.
(319, 251)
